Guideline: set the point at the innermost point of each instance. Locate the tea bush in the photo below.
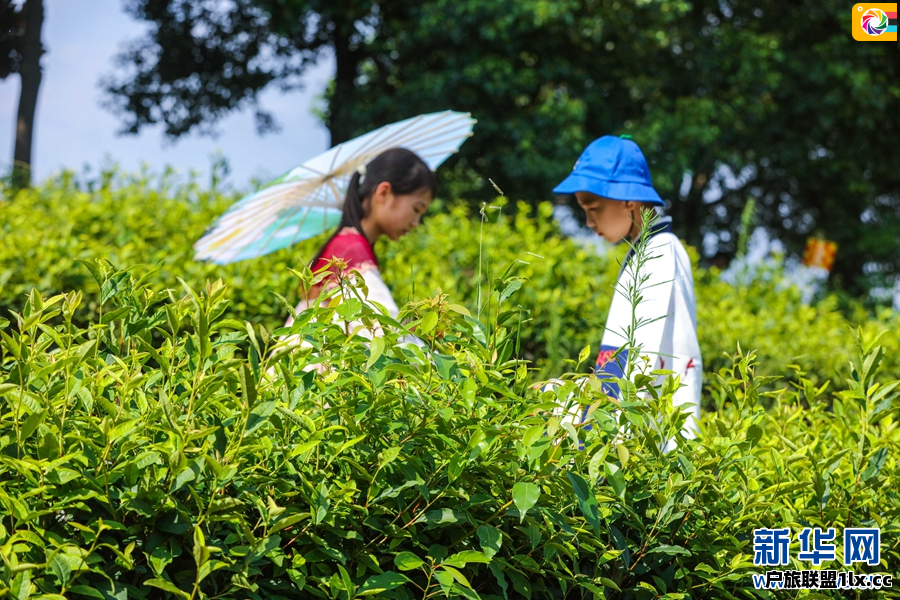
(563, 303)
(569, 289)
(167, 450)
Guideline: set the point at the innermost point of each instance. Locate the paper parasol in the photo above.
(307, 200)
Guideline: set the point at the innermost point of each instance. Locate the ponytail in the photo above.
(402, 168)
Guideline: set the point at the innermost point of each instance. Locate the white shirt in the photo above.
(668, 309)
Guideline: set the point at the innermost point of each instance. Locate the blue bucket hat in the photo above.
(614, 168)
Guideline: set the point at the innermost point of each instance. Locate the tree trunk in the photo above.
(30, 74)
(340, 105)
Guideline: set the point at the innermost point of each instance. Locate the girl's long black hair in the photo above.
(402, 168)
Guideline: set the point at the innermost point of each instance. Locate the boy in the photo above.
(611, 181)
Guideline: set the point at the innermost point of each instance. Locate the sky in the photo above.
(72, 130)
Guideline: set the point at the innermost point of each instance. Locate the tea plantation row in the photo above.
(158, 441)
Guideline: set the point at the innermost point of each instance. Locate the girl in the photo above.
(386, 197)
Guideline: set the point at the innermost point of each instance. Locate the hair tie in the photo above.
(361, 169)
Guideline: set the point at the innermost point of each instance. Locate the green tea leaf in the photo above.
(428, 323)
(594, 464)
(188, 474)
(444, 516)
(457, 576)
(446, 581)
(520, 583)
(670, 550)
(525, 496)
(60, 567)
(876, 463)
(406, 561)
(455, 467)
(510, 289)
(584, 354)
(610, 583)
(118, 283)
(587, 502)
(376, 348)
(259, 416)
(20, 586)
(389, 455)
(168, 587)
(383, 582)
(113, 315)
(32, 423)
(94, 270)
(616, 478)
(461, 559)
(459, 309)
(623, 454)
(88, 591)
(490, 540)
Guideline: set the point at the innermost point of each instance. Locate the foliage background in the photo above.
(729, 99)
(154, 446)
(564, 297)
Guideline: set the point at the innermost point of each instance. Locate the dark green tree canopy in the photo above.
(729, 99)
(761, 99)
(204, 58)
(197, 63)
(12, 26)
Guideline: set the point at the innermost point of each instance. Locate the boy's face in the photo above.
(613, 220)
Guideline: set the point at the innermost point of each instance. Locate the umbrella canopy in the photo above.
(307, 200)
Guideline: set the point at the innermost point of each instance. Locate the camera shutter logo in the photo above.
(875, 22)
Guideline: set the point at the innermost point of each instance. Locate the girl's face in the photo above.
(395, 215)
(613, 220)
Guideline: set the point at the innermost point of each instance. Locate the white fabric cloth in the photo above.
(668, 337)
(378, 294)
(669, 307)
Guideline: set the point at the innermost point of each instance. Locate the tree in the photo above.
(203, 59)
(729, 99)
(20, 53)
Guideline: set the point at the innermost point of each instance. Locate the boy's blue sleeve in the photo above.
(611, 365)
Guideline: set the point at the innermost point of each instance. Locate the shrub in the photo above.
(168, 451)
(569, 290)
(561, 307)
(127, 221)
